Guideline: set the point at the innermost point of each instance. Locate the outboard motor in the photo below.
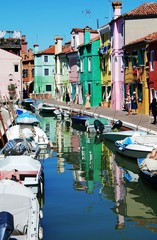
(6, 225)
(99, 126)
(118, 124)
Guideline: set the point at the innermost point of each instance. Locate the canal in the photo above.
(92, 193)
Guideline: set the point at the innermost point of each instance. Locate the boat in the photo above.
(23, 169)
(148, 168)
(47, 108)
(31, 133)
(26, 103)
(99, 125)
(36, 105)
(80, 119)
(27, 118)
(20, 146)
(136, 146)
(61, 113)
(20, 212)
(114, 136)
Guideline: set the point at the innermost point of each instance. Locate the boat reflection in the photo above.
(95, 167)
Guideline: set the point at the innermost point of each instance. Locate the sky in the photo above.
(40, 20)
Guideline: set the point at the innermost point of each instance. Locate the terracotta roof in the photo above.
(148, 38)
(91, 40)
(65, 50)
(50, 50)
(83, 30)
(144, 10)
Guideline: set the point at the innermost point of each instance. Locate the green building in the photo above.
(90, 73)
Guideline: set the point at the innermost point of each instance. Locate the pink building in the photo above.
(10, 75)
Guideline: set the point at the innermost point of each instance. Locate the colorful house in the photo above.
(44, 67)
(135, 61)
(105, 64)
(27, 68)
(90, 75)
(126, 28)
(64, 70)
(10, 75)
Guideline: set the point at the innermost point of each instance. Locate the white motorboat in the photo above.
(114, 136)
(30, 133)
(19, 212)
(23, 169)
(136, 146)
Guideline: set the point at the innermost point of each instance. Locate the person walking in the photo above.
(153, 108)
(67, 98)
(128, 103)
(134, 105)
(87, 105)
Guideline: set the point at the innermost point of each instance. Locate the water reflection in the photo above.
(95, 169)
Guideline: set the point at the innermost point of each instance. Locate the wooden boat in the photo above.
(148, 168)
(136, 146)
(23, 169)
(19, 212)
(103, 122)
(30, 133)
(20, 146)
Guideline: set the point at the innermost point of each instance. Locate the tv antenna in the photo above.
(87, 12)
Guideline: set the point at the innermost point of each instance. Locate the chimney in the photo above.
(58, 44)
(87, 34)
(36, 48)
(24, 44)
(117, 9)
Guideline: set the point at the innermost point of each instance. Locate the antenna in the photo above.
(87, 12)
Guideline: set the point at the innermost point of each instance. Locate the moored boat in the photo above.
(30, 133)
(20, 209)
(23, 169)
(136, 146)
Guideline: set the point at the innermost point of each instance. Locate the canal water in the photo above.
(92, 193)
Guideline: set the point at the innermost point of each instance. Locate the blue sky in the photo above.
(40, 20)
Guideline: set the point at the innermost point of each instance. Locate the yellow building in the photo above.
(105, 64)
(136, 71)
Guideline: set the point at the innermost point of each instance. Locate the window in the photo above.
(126, 60)
(32, 72)
(45, 58)
(46, 72)
(73, 42)
(89, 88)
(48, 88)
(81, 65)
(151, 60)
(89, 64)
(25, 73)
(16, 68)
(141, 57)
(134, 58)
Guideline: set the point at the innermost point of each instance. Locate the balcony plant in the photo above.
(12, 90)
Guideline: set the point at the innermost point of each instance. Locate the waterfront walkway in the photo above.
(136, 122)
